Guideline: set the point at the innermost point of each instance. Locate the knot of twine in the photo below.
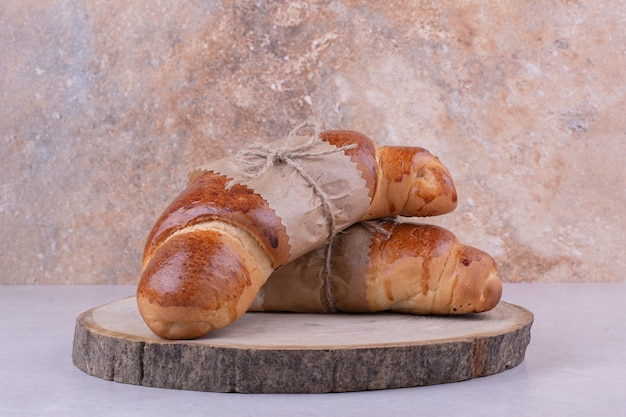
(258, 158)
(376, 226)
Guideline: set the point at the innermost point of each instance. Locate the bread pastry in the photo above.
(238, 220)
(411, 268)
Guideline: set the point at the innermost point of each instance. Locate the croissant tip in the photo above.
(491, 293)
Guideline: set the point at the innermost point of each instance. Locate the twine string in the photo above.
(325, 276)
(376, 226)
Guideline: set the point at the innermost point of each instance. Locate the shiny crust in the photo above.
(179, 299)
(206, 198)
(412, 182)
(176, 275)
(424, 269)
(407, 262)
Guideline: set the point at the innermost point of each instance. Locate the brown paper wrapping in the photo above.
(293, 199)
(300, 286)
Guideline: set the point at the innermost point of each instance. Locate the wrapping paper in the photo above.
(301, 287)
(293, 198)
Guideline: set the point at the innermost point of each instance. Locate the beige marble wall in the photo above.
(105, 106)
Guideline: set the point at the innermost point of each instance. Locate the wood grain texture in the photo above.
(303, 353)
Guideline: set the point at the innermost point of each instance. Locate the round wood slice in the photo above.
(303, 353)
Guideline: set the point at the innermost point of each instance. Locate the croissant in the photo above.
(216, 244)
(410, 268)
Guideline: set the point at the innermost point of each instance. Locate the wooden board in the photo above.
(303, 353)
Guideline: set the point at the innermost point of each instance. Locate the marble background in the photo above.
(106, 105)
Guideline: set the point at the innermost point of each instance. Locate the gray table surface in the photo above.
(575, 365)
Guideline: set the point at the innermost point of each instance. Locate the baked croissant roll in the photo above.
(379, 266)
(239, 219)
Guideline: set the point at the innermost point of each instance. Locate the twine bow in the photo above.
(259, 157)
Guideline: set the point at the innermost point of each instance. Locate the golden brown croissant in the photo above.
(411, 268)
(215, 245)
